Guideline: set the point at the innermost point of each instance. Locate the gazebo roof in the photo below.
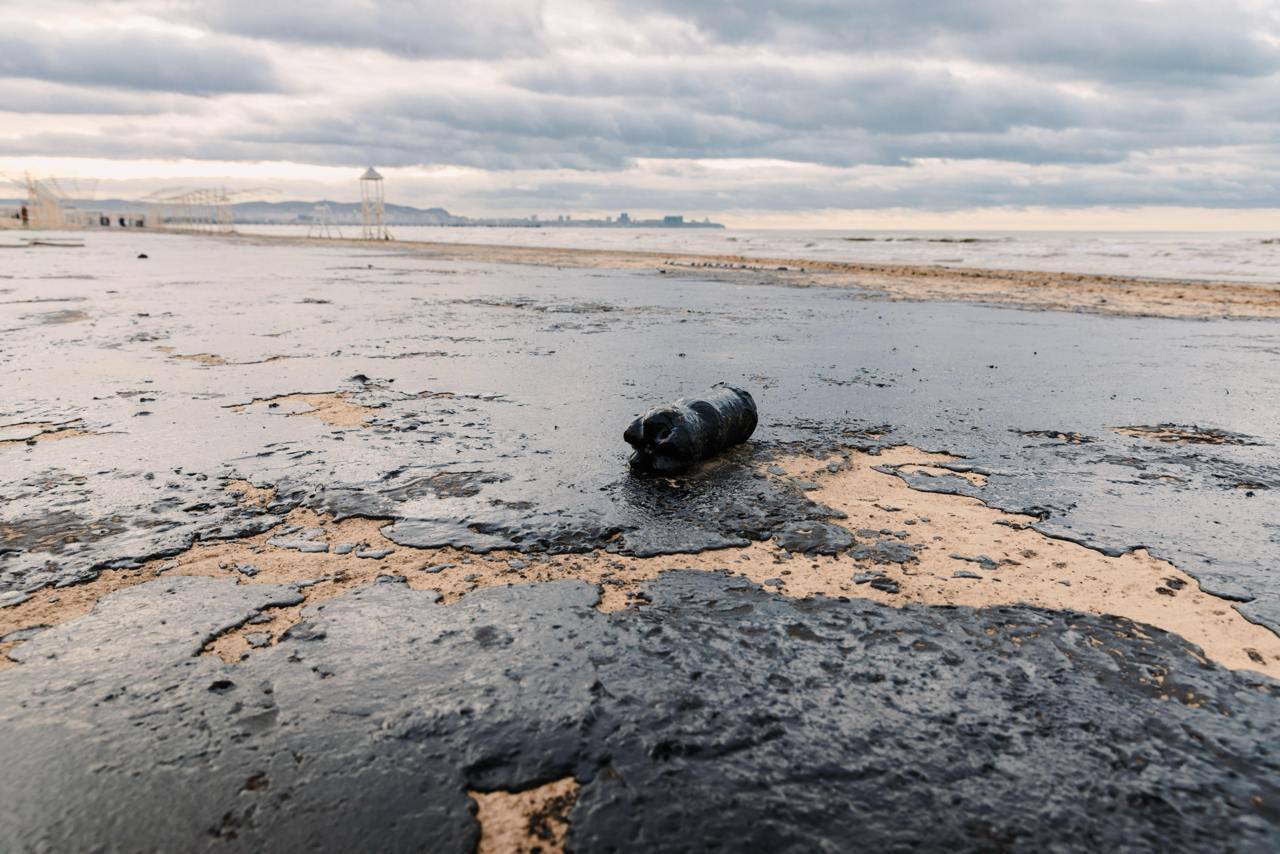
(370, 174)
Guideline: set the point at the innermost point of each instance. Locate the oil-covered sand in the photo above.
(324, 544)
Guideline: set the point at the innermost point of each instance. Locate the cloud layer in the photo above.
(742, 104)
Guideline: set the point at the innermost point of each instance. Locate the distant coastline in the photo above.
(348, 213)
(1040, 290)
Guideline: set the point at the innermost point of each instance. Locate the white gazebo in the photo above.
(372, 204)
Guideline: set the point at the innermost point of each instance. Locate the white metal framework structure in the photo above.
(372, 207)
(46, 205)
(322, 223)
(202, 211)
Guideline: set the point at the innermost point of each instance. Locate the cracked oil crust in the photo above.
(533, 821)
(334, 408)
(962, 552)
(1117, 295)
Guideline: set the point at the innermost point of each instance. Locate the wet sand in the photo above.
(1098, 294)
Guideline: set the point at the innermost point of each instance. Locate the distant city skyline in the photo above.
(1130, 114)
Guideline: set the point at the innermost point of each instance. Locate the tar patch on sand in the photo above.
(33, 432)
(535, 820)
(1185, 434)
(334, 408)
(56, 318)
(1066, 436)
(896, 545)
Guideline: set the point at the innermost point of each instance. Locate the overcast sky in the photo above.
(839, 112)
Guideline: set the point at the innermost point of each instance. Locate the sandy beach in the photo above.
(326, 534)
(1119, 295)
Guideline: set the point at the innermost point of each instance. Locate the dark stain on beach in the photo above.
(835, 721)
(834, 724)
(61, 316)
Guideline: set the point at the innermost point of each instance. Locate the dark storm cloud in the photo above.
(1052, 102)
(607, 117)
(897, 100)
(953, 192)
(130, 59)
(414, 28)
(1091, 39)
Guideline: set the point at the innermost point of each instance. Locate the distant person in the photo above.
(26, 217)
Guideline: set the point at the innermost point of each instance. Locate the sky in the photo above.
(1137, 114)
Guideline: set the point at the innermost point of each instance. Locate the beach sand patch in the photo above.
(248, 495)
(331, 407)
(32, 432)
(535, 820)
(210, 359)
(5, 661)
(213, 360)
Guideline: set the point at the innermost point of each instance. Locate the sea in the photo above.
(1210, 255)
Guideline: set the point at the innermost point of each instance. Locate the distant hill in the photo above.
(345, 213)
(288, 213)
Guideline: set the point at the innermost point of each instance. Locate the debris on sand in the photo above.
(672, 438)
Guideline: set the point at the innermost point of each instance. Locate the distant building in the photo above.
(673, 220)
(624, 218)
